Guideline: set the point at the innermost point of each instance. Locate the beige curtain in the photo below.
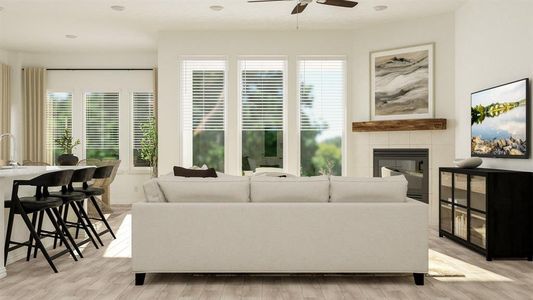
(34, 104)
(5, 109)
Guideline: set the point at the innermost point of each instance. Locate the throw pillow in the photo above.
(184, 172)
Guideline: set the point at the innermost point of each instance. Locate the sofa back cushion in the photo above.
(225, 189)
(289, 189)
(358, 189)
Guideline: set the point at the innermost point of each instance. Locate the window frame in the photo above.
(84, 118)
(181, 91)
(344, 141)
(72, 110)
(132, 168)
(286, 62)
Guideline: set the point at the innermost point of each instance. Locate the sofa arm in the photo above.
(152, 191)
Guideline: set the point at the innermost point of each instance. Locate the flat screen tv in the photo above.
(500, 121)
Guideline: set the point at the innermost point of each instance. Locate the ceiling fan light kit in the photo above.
(302, 4)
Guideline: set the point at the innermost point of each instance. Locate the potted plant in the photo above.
(149, 145)
(66, 143)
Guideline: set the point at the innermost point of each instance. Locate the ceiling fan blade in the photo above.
(341, 3)
(299, 8)
(253, 1)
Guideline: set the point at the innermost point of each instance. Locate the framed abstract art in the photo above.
(401, 83)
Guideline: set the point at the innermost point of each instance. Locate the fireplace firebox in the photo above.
(412, 163)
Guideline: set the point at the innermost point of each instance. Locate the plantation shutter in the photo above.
(262, 94)
(203, 83)
(322, 96)
(143, 112)
(102, 121)
(58, 117)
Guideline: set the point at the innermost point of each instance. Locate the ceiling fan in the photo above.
(302, 4)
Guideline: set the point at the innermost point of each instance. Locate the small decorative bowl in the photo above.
(468, 163)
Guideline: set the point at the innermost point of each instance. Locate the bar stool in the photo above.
(91, 192)
(69, 197)
(40, 202)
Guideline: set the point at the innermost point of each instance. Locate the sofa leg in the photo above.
(419, 278)
(139, 278)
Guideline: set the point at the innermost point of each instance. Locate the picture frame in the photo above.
(516, 124)
(402, 83)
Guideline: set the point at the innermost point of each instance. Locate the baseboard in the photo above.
(3, 272)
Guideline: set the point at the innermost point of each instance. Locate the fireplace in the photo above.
(412, 163)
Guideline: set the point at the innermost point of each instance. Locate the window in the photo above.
(203, 112)
(262, 98)
(58, 119)
(102, 125)
(143, 114)
(321, 90)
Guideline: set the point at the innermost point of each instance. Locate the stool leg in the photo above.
(8, 233)
(39, 228)
(61, 222)
(38, 241)
(87, 231)
(59, 230)
(89, 223)
(78, 225)
(30, 242)
(56, 236)
(65, 217)
(102, 216)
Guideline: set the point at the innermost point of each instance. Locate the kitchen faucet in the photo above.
(11, 161)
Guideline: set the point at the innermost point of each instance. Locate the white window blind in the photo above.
(322, 94)
(58, 117)
(102, 125)
(203, 88)
(143, 112)
(262, 94)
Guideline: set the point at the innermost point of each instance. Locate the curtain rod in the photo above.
(96, 69)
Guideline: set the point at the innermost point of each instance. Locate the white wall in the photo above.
(3, 56)
(435, 29)
(494, 45)
(127, 187)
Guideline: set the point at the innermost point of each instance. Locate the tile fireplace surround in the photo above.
(440, 144)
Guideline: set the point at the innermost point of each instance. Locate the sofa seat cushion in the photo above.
(225, 189)
(289, 189)
(359, 189)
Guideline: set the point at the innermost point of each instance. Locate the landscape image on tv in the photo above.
(499, 121)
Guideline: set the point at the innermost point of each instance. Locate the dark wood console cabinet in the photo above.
(488, 211)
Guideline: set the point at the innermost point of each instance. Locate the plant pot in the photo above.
(67, 160)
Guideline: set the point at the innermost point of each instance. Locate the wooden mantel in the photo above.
(400, 125)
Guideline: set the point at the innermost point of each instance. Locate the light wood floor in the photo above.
(106, 274)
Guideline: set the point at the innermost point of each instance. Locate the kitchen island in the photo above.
(20, 232)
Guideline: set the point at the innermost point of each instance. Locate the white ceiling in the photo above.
(41, 25)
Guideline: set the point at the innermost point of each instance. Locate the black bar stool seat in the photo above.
(69, 196)
(90, 191)
(34, 204)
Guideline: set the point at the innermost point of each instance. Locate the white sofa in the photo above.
(279, 225)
